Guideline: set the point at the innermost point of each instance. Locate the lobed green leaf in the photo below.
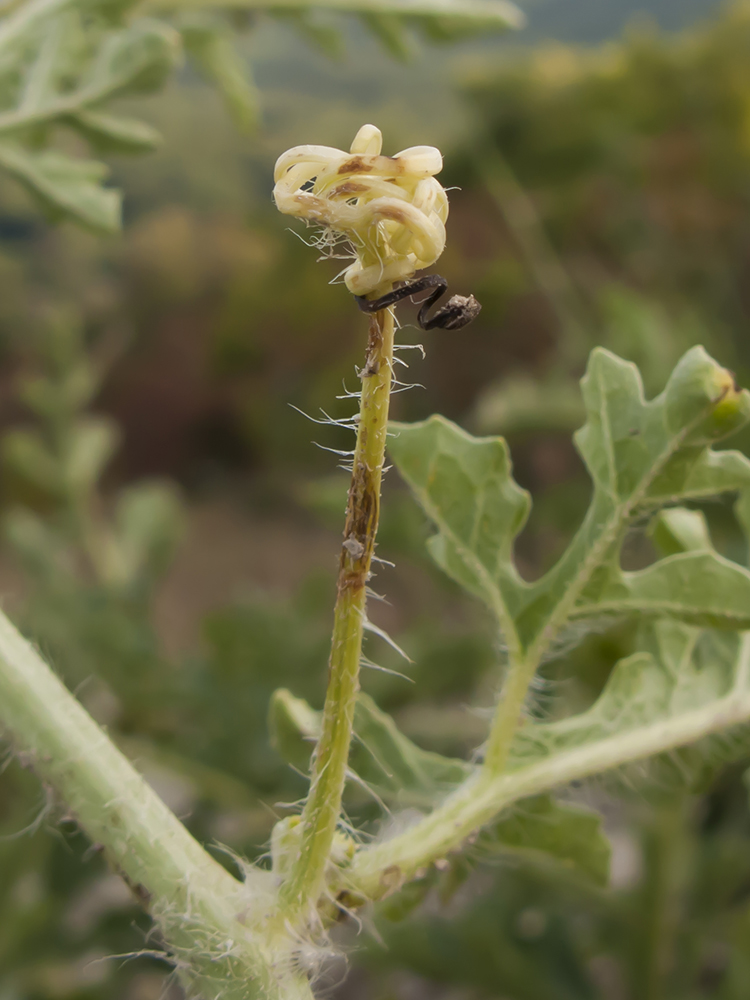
(382, 758)
(640, 454)
(542, 829)
(465, 486)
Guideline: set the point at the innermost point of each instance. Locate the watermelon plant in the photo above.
(680, 701)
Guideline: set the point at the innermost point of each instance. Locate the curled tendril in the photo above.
(458, 311)
(391, 208)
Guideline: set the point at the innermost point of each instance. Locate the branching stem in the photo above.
(377, 869)
(321, 814)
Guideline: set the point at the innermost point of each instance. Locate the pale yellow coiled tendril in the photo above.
(391, 208)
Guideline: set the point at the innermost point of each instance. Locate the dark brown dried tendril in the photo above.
(458, 311)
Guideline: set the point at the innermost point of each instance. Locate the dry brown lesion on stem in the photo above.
(361, 527)
(363, 507)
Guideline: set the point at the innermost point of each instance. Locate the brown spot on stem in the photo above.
(140, 892)
(374, 347)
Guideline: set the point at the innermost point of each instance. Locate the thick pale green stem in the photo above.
(323, 808)
(204, 914)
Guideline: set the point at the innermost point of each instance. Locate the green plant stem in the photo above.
(203, 913)
(378, 869)
(508, 714)
(320, 817)
(668, 862)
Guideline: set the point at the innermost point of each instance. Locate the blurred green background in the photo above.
(170, 531)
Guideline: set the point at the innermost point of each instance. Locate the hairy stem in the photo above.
(508, 713)
(203, 913)
(320, 817)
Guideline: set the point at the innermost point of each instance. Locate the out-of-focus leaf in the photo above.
(212, 47)
(24, 20)
(520, 404)
(516, 940)
(65, 187)
(441, 30)
(27, 454)
(324, 37)
(487, 14)
(112, 134)
(132, 60)
(544, 829)
(397, 768)
(742, 512)
(391, 32)
(92, 444)
(293, 726)
(47, 69)
(53, 398)
(149, 523)
(136, 60)
(38, 545)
